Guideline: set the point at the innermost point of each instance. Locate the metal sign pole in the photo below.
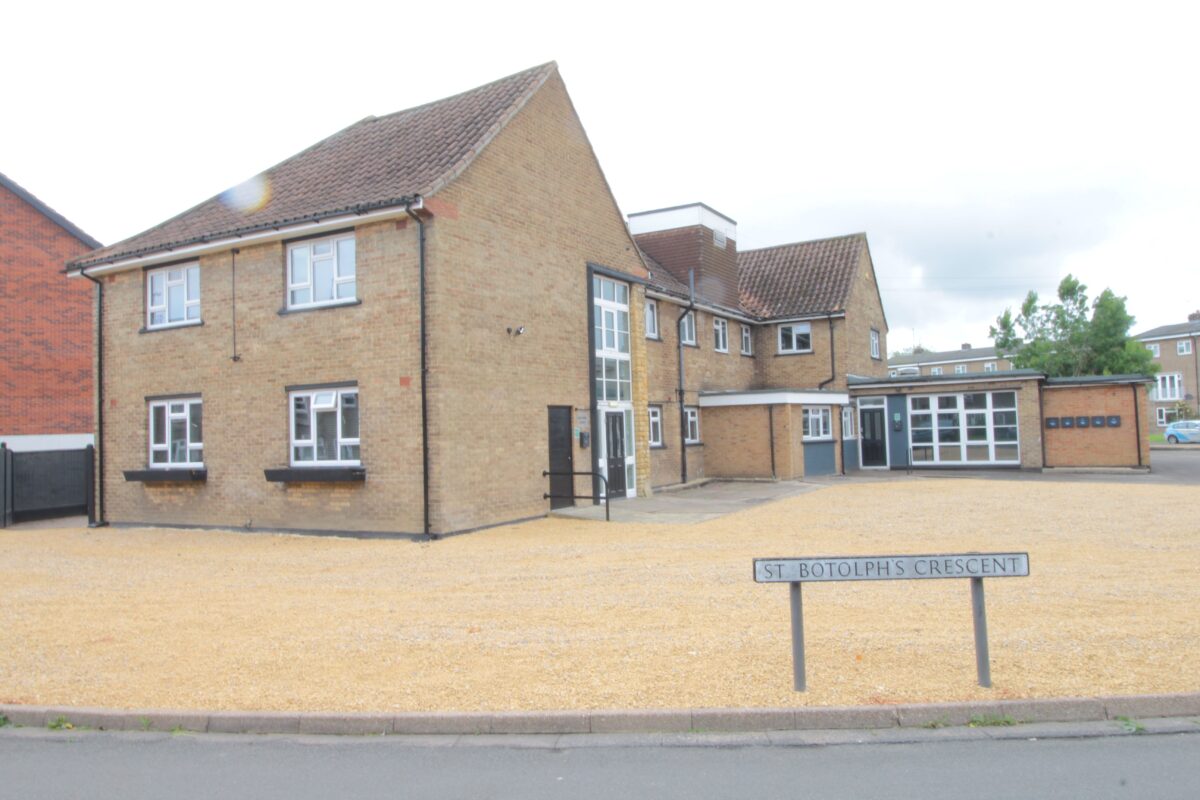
(797, 637)
(983, 664)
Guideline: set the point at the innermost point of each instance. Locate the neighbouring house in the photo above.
(45, 327)
(1176, 349)
(963, 361)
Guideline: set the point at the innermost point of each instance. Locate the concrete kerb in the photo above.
(673, 721)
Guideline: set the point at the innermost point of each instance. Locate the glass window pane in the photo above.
(196, 426)
(920, 403)
(350, 452)
(158, 318)
(193, 312)
(977, 420)
(977, 434)
(953, 453)
(803, 341)
(299, 265)
(158, 425)
(629, 483)
(158, 457)
(922, 454)
(177, 408)
(610, 369)
(610, 390)
(623, 370)
(622, 294)
(175, 302)
(350, 416)
(622, 342)
(174, 275)
(322, 279)
(1006, 452)
(327, 447)
(1004, 400)
(195, 455)
(922, 435)
(948, 402)
(302, 425)
(1006, 434)
(922, 420)
(156, 289)
(345, 257)
(178, 445)
(1004, 417)
(975, 400)
(324, 399)
(345, 291)
(193, 283)
(301, 297)
(623, 321)
(623, 392)
(606, 288)
(302, 453)
(322, 249)
(977, 453)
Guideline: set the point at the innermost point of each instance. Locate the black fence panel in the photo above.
(50, 484)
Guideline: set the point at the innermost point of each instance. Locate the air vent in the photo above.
(719, 239)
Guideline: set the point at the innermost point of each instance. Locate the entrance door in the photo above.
(562, 487)
(614, 452)
(872, 430)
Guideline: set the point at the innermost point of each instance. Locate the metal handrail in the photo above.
(607, 504)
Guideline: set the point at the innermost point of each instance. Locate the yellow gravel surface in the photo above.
(567, 614)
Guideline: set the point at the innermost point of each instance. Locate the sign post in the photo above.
(976, 566)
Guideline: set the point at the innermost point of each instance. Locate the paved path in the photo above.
(1027, 761)
(696, 504)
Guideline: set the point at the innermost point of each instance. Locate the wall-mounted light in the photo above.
(516, 331)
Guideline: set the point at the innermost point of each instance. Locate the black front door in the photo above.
(873, 430)
(562, 484)
(614, 451)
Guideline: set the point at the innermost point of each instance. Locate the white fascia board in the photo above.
(259, 237)
(1192, 335)
(780, 398)
(720, 312)
(682, 217)
(934, 385)
(809, 318)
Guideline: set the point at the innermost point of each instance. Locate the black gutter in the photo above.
(424, 372)
(99, 522)
(688, 309)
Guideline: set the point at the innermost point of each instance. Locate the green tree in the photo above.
(1072, 336)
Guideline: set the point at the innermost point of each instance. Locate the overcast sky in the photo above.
(985, 149)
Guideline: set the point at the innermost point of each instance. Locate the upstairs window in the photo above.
(1154, 349)
(173, 296)
(874, 343)
(651, 319)
(747, 341)
(795, 338)
(176, 433)
(720, 335)
(989, 366)
(325, 428)
(1184, 347)
(687, 328)
(1169, 388)
(321, 272)
(935, 370)
(960, 369)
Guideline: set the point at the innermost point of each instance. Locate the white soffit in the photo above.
(779, 398)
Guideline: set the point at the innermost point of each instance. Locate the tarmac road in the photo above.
(930, 765)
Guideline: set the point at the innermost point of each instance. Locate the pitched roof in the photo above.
(1178, 329)
(801, 278)
(47, 212)
(928, 357)
(378, 162)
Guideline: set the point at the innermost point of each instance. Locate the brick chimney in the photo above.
(690, 237)
(1194, 316)
(966, 346)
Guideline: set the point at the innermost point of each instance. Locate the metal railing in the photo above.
(547, 496)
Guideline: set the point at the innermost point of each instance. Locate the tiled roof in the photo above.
(1178, 329)
(662, 280)
(47, 212)
(375, 163)
(799, 279)
(927, 357)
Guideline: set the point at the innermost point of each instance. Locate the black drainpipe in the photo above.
(683, 474)
(771, 433)
(233, 300)
(594, 406)
(424, 382)
(99, 522)
(832, 360)
(1137, 421)
(1042, 414)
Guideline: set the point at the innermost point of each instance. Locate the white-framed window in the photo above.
(176, 433)
(692, 417)
(173, 296)
(611, 319)
(795, 337)
(848, 422)
(651, 319)
(817, 422)
(973, 427)
(1166, 415)
(655, 426)
(935, 370)
(1183, 347)
(960, 369)
(1154, 349)
(1169, 388)
(324, 426)
(874, 343)
(989, 366)
(720, 335)
(747, 340)
(687, 328)
(321, 272)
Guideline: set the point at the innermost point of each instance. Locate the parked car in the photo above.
(1186, 431)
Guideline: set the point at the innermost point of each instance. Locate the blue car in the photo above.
(1186, 431)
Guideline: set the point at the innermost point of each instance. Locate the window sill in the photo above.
(747, 355)
(725, 351)
(691, 344)
(658, 447)
(650, 338)
(693, 444)
(283, 312)
(794, 353)
(176, 326)
(316, 474)
(179, 475)
(829, 439)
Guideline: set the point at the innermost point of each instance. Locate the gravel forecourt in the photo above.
(574, 614)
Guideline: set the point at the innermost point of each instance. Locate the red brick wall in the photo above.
(45, 326)
(1096, 447)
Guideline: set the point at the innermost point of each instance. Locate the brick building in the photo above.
(45, 327)
(965, 360)
(1176, 349)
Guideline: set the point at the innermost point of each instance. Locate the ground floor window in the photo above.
(817, 422)
(325, 428)
(1166, 415)
(176, 433)
(655, 427)
(692, 417)
(847, 422)
(969, 428)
